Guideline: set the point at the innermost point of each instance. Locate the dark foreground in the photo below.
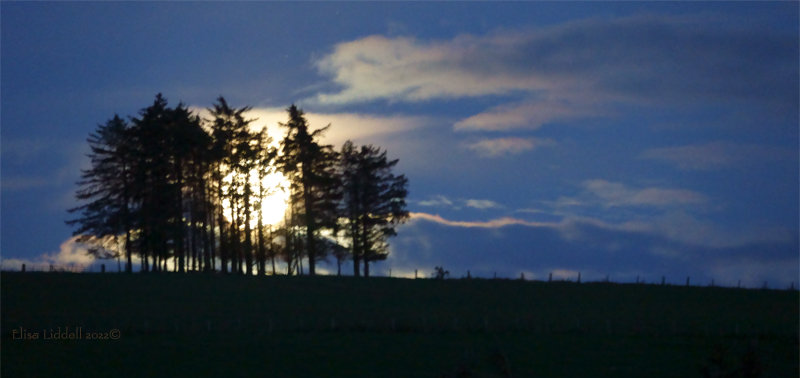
(229, 326)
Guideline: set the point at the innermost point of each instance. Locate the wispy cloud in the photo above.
(438, 200)
(573, 69)
(494, 223)
(532, 114)
(596, 248)
(617, 194)
(456, 204)
(482, 204)
(507, 146)
(716, 155)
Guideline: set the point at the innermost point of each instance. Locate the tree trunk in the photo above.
(248, 238)
(223, 242)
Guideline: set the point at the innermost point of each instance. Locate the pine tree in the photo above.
(310, 167)
(107, 185)
(373, 203)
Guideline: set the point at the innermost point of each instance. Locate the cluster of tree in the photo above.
(170, 185)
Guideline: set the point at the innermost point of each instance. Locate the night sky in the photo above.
(623, 139)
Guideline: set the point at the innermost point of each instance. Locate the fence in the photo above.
(79, 268)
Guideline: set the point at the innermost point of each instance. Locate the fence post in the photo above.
(687, 281)
(522, 276)
(23, 268)
(579, 277)
(415, 274)
(102, 268)
(662, 280)
(550, 279)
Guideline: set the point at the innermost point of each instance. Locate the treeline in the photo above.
(171, 185)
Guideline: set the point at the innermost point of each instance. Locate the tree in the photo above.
(373, 202)
(265, 155)
(232, 154)
(107, 185)
(174, 184)
(310, 167)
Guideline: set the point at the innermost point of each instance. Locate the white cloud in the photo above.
(70, 252)
(530, 114)
(565, 274)
(507, 146)
(494, 223)
(405, 69)
(438, 200)
(482, 204)
(617, 194)
(676, 226)
(361, 128)
(715, 155)
(571, 70)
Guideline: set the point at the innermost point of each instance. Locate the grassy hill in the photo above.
(234, 326)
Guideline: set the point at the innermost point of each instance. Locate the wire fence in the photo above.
(92, 268)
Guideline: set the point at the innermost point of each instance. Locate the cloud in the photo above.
(482, 204)
(361, 128)
(438, 200)
(716, 155)
(684, 228)
(507, 146)
(495, 223)
(70, 252)
(531, 114)
(571, 68)
(617, 194)
(589, 246)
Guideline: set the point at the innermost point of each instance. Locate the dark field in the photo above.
(231, 326)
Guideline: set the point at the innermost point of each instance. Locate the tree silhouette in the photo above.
(107, 185)
(373, 202)
(167, 179)
(310, 167)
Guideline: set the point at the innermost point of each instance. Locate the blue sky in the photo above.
(623, 139)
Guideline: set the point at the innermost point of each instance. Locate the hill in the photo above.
(214, 325)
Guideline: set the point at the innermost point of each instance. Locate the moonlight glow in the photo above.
(274, 205)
